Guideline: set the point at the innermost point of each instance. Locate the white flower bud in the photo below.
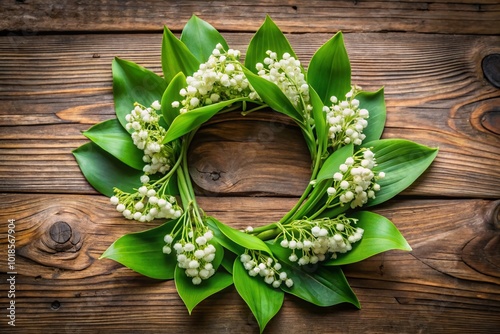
(156, 105)
(139, 206)
(114, 200)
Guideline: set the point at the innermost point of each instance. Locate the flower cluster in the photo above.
(257, 263)
(148, 136)
(312, 241)
(347, 121)
(146, 204)
(288, 75)
(355, 182)
(220, 78)
(194, 253)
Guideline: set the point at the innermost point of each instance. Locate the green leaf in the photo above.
(268, 37)
(172, 186)
(172, 93)
(332, 164)
(402, 161)
(319, 119)
(228, 260)
(263, 300)
(176, 57)
(114, 139)
(242, 239)
(192, 294)
(104, 172)
(143, 252)
(322, 286)
(272, 95)
(329, 71)
(201, 38)
(189, 121)
(375, 104)
(133, 83)
(380, 235)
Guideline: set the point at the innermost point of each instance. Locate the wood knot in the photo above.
(60, 232)
(491, 69)
(482, 252)
(492, 214)
(61, 238)
(491, 121)
(482, 255)
(57, 239)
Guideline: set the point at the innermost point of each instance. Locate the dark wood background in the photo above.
(440, 64)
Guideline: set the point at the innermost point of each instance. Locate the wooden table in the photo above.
(440, 65)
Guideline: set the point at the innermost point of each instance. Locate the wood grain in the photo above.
(436, 94)
(432, 288)
(457, 17)
(438, 62)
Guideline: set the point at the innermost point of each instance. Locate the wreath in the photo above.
(139, 160)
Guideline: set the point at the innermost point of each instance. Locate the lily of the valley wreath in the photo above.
(139, 160)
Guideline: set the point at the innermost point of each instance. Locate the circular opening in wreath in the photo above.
(261, 154)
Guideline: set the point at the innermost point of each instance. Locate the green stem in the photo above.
(244, 113)
(264, 228)
(184, 189)
(317, 213)
(307, 191)
(269, 234)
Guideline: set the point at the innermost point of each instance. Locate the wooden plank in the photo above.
(449, 281)
(457, 17)
(54, 87)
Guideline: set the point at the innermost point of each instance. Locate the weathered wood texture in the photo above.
(442, 89)
(442, 16)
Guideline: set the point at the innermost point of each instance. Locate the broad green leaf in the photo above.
(172, 186)
(263, 300)
(104, 172)
(172, 93)
(133, 83)
(379, 235)
(332, 164)
(241, 238)
(402, 161)
(114, 139)
(192, 294)
(176, 57)
(268, 37)
(329, 71)
(319, 119)
(375, 104)
(228, 260)
(201, 38)
(272, 95)
(222, 239)
(143, 252)
(322, 286)
(192, 119)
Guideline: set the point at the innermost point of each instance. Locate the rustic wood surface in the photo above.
(439, 62)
